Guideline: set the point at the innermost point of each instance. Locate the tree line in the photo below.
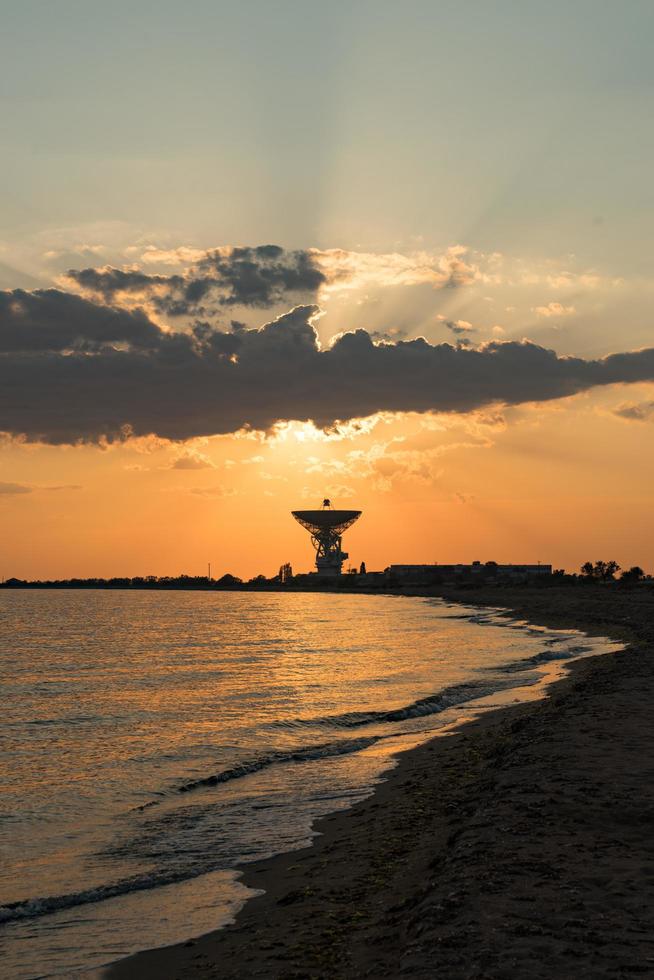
(606, 571)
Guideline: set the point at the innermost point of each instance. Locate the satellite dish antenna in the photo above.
(326, 527)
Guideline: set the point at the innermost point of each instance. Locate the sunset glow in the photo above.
(326, 540)
(175, 384)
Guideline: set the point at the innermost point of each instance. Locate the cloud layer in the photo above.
(258, 277)
(265, 276)
(72, 370)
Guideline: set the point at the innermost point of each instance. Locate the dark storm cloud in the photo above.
(208, 382)
(262, 276)
(256, 277)
(107, 282)
(52, 320)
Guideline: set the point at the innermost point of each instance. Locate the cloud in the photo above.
(53, 320)
(206, 382)
(306, 432)
(192, 461)
(82, 249)
(412, 464)
(336, 491)
(554, 309)
(272, 476)
(345, 270)
(264, 276)
(258, 277)
(171, 256)
(460, 328)
(14, 489)
(217, 491)
(636, 412)
(383, 463)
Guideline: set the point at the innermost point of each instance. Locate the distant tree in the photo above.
(226, 579)
(285, 573)
(633, 574)
(362, 568)
(608, 570)
(558, 573)
(601, 571)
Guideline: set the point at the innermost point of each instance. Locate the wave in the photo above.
(31, 908)
(434, 704)
(309, 753)
(449, 697)
(34, 907)
(544, 657)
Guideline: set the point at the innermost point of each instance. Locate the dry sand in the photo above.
(520, 847)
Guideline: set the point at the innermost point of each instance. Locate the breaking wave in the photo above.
(545, 657)
(449, 697)
(31, 908)
(310, 753)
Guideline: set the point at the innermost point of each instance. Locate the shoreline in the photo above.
(451, 865)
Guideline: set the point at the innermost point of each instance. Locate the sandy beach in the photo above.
(521, 846)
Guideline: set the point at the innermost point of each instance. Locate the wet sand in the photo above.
(520, 847)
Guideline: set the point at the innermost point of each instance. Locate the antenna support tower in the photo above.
(326, 527)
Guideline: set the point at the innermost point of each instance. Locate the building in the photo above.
(488, 572)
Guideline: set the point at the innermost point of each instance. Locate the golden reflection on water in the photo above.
(116, 700)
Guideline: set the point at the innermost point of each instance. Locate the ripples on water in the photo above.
(153, 741)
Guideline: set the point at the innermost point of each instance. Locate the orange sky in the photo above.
(555, 483)
(481, 182)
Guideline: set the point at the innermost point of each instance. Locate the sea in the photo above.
(153, 742)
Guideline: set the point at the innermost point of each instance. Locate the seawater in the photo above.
(153, 741)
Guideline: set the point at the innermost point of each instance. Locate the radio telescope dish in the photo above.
(316, 521)
(326, 527)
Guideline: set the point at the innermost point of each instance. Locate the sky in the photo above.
(256, 254)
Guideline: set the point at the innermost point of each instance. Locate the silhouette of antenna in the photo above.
(326, 527)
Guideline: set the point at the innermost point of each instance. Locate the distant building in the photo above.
(489, 572)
